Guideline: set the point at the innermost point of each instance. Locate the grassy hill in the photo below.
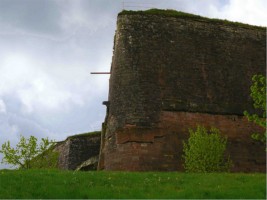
(55, 184)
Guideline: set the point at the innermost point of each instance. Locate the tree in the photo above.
(25, 151)
(258, 94)
(204, 151)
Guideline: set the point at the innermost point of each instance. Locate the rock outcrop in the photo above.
(172, 71)
(76, 150)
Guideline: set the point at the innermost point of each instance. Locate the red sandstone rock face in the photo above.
(169, 74)
(160, 148)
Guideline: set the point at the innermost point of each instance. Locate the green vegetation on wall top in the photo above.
(85, 134)
(174, 13)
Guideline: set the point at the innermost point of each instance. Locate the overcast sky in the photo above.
(49, 47)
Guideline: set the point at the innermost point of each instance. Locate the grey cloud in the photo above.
(31, 15)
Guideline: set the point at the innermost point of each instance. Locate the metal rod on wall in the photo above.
(100, 72)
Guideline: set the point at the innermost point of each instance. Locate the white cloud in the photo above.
(8, 130)
(39, 87)
(246, 11)
(86, 17)
(2, 106)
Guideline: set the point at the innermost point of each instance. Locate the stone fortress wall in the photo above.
(170, 73)
(77, 150)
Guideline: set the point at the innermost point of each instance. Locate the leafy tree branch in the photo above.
(25, 151)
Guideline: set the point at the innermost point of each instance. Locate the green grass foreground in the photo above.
(82, 185)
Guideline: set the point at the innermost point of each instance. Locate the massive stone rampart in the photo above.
(77, 149)
(170, 73)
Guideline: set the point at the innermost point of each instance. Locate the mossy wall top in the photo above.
(181, 63)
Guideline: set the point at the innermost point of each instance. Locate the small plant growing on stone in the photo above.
(205, 151)
(258, 94)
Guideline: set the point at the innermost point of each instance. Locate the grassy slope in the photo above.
(68, 184)
(174, 13)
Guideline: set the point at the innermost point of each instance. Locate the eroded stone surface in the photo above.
(169, 74)
(76, 150)
(163, 150)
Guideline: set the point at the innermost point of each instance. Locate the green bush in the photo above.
(258, 94)
(204, 151)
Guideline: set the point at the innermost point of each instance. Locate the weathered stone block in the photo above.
(77, 149)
